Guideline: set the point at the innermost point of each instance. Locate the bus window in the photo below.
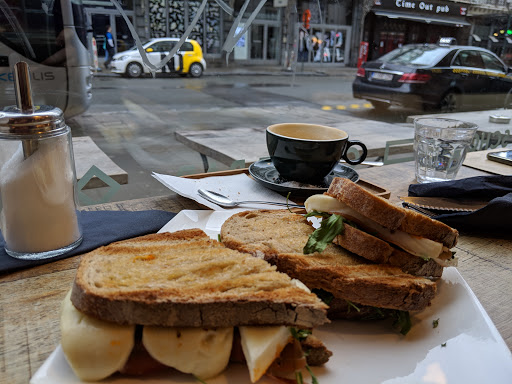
(50, 35)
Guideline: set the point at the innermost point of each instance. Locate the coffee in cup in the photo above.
(308, 152)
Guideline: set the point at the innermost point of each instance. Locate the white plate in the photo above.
(464, 348)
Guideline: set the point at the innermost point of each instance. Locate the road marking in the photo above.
(345, 107)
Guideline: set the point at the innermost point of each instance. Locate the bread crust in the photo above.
(186, 279)
(390, 216)
(379, 251)
(279, 238)
(375, 285)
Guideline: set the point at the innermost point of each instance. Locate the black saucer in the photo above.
(263, 172)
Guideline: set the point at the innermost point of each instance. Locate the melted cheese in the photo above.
(415, 245)
(261, 346)
(94, 349)
(201, 352)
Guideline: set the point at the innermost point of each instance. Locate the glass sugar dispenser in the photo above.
(38, 218)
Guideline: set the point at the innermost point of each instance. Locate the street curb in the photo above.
(254, 73)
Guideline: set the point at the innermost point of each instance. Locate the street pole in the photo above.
(291, 21)
(505, 39)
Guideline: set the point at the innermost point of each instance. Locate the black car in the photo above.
(433, 76)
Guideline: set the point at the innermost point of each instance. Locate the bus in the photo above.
(51, 37)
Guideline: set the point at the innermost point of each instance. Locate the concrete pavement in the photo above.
(319, 69)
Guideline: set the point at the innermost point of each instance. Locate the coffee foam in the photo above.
(308, 132)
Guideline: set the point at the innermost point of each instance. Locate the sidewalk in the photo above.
(235, 69)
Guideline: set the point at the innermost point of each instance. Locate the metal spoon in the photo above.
(224, 201)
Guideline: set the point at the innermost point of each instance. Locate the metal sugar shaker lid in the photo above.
(27, 122)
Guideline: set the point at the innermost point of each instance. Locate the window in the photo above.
(416, 55)
(470, 59)
(166, 46)
(187, 47)
(491, 62)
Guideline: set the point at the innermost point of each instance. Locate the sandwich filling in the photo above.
(96, 349)
(415, 245)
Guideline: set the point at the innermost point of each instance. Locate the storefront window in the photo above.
(323, 44)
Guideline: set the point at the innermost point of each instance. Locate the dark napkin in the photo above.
(98, 228)
(493, 219)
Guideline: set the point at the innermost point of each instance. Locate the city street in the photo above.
(133, 120)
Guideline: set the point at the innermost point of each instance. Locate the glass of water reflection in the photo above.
(440, 147)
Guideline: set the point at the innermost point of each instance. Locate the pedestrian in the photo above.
(109, 47)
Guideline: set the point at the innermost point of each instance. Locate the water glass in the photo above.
(440, 147)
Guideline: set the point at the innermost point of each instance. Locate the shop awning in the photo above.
(446, 20)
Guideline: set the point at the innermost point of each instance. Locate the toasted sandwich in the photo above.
(384, 233)
(185, 301)
(353, 286)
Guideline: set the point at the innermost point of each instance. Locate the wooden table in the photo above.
(30, 299)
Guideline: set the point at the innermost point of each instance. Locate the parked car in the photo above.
(188, 60)
(435, 76)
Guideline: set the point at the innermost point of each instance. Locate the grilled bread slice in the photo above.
(391, 216)
(385, 233)
(279, 236)
(374, 249)
(185, 279)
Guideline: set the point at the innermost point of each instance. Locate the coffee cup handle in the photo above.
(351, 143)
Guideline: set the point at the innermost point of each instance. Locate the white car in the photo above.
(187, 61)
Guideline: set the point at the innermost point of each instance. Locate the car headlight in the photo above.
(122, 58)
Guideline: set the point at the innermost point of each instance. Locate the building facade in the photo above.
(280, 33)
(300, 32)
(393, 23)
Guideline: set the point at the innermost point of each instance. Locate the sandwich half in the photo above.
(185, 301)
(352, 286)
(384, 233)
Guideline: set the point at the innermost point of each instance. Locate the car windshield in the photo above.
(416, 55)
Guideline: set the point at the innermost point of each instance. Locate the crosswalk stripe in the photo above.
(345, 107)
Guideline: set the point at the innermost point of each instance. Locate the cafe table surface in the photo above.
(30, 299)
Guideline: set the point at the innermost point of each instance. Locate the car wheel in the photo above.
(196, 70)
(134, 70)
(449, 102)
(380, 105)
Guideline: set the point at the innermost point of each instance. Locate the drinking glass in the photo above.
(440, 147)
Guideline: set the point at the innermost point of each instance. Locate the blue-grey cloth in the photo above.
(98, 228)
(493, 219)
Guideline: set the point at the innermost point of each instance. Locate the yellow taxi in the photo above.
(188, 60)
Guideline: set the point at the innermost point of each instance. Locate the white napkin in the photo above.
(236, 187)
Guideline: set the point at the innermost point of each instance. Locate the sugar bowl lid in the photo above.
(24, 120)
